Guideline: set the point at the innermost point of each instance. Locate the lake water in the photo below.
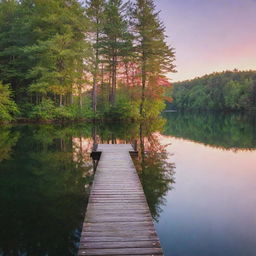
(198, 172)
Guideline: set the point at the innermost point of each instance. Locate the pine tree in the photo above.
(115, 41)
(60, 48)
(95, 12)
(15, 34)
(8, 108)
(154, 56)
(44, 48)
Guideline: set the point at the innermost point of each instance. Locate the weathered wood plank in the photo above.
(118, 229)
(120, 226)
(106, 245)
(115, 233)
(118, 239)
(98, 200)
(117, 206)
(118, 220)
(121, 251)
(117, 211)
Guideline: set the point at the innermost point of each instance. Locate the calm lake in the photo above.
(198, 172)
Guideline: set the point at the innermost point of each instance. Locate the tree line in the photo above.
(228, 91)
(67, 59)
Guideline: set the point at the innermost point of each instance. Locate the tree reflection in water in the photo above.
(42, 190)
(228, 131)
(153, 165)
(8, 140)
(45, 172)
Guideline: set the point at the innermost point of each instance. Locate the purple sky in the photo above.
(210, 35)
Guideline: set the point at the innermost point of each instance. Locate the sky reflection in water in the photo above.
(212, 208)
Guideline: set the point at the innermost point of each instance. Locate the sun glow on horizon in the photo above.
(210, 36)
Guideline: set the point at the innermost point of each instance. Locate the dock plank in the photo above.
(118, 220)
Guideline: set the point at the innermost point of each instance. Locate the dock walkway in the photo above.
(118, 220)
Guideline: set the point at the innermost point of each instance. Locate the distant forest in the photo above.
(228, 91)
(71, 59)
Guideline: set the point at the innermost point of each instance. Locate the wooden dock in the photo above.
(118, 220)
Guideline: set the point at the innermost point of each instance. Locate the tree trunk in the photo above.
(80, 98)
(113, 91)
(94, 95)
(102, 74)
(142, 148)
(110, 82)
(94, 135)
(96, 67)
(37, 101)
(143, 86)
(60, 100)
(71, 99)
(54, 98)
(127, 73)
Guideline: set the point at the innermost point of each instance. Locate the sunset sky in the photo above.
(210, 35)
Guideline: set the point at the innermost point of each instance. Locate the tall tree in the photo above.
(60, 48)
(154, 56)
(95, 13)
(15, 34)
(115, 40)
(44, 47)
(7, 105)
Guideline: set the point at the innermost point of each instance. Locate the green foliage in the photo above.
(60, 46)
(8, 108)
(155, 56)
(15, 34)
(53, 51)
(43, 111)
(124, 108)
(121, 110)
(153, 107)
(43, 48)
(81, 112)
(116, 40)
(218, 91)
(47, 110)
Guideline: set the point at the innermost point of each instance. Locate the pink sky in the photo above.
(210, 35)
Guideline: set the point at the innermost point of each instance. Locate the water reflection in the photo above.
(155, 170)
(152, 163)
(46, 170)
(235, 131)
(45, 173)
(42, 191)
(7, 140)
(212, 209)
